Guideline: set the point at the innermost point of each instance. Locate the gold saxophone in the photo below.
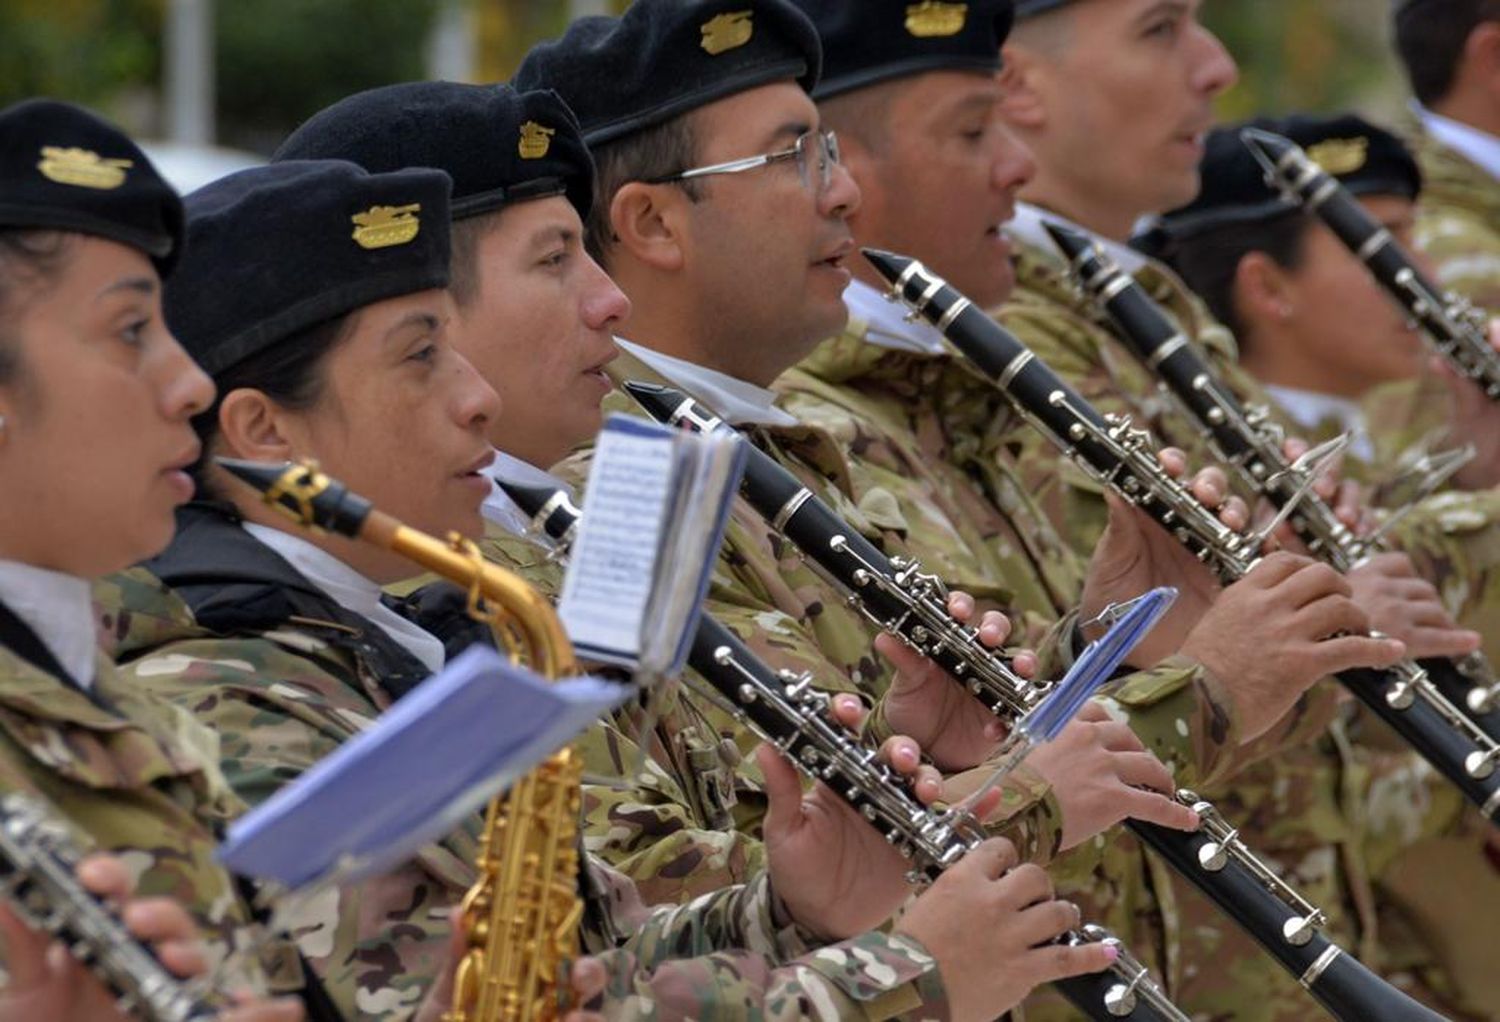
(521, 918)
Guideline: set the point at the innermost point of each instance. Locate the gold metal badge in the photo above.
(535, 140)
(387, 226)
(1340, 156)
(82, 168)
(728, 31)
(933, 20)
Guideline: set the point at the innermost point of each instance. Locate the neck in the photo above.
(1281, 361)
(1470, 108)
(1088, 209)
(376, 564)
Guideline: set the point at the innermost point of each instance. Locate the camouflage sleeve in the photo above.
(378, 945)
(1454, 541)
(733, 954)
(1464, 249)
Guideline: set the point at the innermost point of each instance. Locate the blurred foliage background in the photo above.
(277, 61)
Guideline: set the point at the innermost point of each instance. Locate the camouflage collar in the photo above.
(1451, 179)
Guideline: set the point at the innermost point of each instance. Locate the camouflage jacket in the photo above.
(284, 689)
(1458, 221)
(1321, 807)
(136, 776)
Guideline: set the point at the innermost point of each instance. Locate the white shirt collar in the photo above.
(59, 609)
(735, 401)
(500, 510)
(1027, 229)
(350, 590)
(1308, 408)
(1479, 147)
(887, 325)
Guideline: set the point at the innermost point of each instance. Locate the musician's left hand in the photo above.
(927, 703)
(1405, 606)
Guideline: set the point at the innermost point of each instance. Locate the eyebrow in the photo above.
(794, 129)
(426, 320)
(140, 285)
(550, 233)
(1177, 7)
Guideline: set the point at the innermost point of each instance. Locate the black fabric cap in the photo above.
(63, 168)
(1031, 8)
(1366, 159)
(663, 58)
(274, 250)
(498, 145)
(871, 41)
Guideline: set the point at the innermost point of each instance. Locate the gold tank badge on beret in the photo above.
(535, 140)
(82, 168)
(727, 31)
(934, 20)
(1340, 156)
(387, 226)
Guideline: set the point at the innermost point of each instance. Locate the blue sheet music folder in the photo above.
(426, 765)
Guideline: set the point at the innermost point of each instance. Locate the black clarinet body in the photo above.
(1454, 327)
(790, 712)
(38, 857)
(1124, 459)
(1250, 444)
(1212, 858)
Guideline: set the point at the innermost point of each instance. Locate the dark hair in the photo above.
(27, 255)
(1430, 38)
(667, 148)
(289, 373)
(463, 269)
(1208, 261)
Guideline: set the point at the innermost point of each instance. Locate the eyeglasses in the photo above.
(815, 149)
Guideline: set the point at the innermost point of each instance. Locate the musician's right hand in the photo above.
(46, 982)
(1275, 632)
(989, 922)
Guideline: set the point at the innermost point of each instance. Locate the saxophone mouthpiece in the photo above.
(888, 264)
(1071, 243)
(303, 493)
(661, 403)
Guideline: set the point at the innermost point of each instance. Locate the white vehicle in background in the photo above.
(189, 167)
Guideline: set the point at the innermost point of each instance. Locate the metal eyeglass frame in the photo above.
(828, 159)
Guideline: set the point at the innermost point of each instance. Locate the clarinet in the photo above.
(38, 857)
(791, 713)
(1124, 459)
(1250, 444)
(1212, 858)
(1455, 329)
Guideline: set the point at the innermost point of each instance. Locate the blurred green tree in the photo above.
(81, 50)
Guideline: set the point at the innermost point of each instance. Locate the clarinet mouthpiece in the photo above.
(530, 499)
(303, 493)
(661, 403)
(888, 264)
(1267, 143)
(1071, 243)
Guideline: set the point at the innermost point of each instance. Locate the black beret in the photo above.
(1031, 8)
(663, 58)
(498, 145)
(1364, 158)
(275, 250)
(870, 41)
(63, 168)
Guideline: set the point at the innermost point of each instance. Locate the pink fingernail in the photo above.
(1113, 951)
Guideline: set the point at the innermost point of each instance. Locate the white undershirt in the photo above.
(59, 609)
(1478, 147)
(735, 401)
(887, 324)
(350, 590)
(1308, 408)
(1027, 228)
(500, 510)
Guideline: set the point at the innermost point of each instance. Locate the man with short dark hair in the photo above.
(1451, 52)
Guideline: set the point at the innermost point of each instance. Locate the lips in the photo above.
(186, 460)
(837, 255)
(479, 464)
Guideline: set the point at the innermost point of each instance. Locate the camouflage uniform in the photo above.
(1458, 221)
(287, 692)
(1328, 812)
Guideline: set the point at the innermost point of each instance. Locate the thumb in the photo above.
(25, 951)
(783, 793)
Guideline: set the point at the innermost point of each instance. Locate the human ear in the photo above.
(1263, 291)
(648, 223)
(1021, 101)
(255, 428)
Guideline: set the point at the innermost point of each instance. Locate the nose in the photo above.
(1015, 165)
(841, 199)
(475, 403)
(185, 389)
(1214, 70)
(604, 304)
